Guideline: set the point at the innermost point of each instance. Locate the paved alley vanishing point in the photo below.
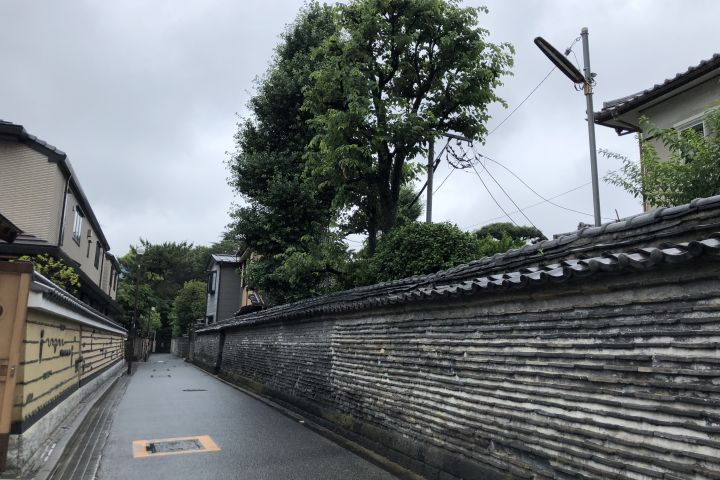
(168, 398)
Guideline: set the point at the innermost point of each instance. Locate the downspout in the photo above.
(61, 233)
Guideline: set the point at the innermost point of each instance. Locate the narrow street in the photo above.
(168, 398)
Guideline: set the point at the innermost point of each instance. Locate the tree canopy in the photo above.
(286, 219)
(188, 306)
(353, 94)
(422, 248)
(693, 170)
(158, 276)
(500, 230)
(394, 76)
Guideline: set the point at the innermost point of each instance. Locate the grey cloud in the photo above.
(143, 96)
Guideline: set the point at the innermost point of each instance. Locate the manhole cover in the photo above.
(173, 446)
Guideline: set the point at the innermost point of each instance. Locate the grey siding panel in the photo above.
(79, 253)
(28, 175)
(229, 292)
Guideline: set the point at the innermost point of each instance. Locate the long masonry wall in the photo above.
(610, 377)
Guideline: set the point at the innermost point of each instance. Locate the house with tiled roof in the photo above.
(680, 102)
(41, 197)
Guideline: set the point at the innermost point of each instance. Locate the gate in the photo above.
(15, 281)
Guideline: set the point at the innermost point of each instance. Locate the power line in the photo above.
(531, 206)
(435, 164)
(493, 197)
(568, 50)
(443, 182)
(507, 195)
(521, 103)
(536, 192)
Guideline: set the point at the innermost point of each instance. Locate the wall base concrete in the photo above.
(28, 451)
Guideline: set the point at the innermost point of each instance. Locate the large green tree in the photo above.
(188, 306)
(285, 218)
(692, 171)
(158, 275)
(396, 75)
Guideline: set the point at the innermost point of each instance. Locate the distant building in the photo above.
(41, 194)
(228, 292)
(224, 287)
(680, 102)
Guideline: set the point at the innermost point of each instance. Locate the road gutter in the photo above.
(362, 452)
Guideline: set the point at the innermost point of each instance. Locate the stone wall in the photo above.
(609, 376)
(179, 346)
(206, 350)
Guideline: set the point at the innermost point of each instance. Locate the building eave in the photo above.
(8, 230)
(622, 114)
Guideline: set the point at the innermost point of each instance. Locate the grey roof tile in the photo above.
(57, 295)
(225, 258)
(634, 243)
(623, 104)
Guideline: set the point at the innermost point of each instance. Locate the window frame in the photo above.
(693, 121)
(98, 252)
(212, 282)
(78, 224)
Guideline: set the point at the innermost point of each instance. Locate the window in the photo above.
(696, 123)
(77, 226)
(698, 127)
(212, 279)
(98, 251)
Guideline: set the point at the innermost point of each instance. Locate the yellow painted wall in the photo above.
(99, 350)
(57, 355)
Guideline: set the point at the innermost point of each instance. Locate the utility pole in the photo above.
(586, 80)
(430, 168)
(139, 252)
(587, 88)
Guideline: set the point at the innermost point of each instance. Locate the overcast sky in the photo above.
(143, 96)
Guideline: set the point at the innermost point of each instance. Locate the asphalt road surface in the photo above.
(168, 398)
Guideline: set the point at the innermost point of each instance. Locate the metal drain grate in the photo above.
(194, 390)
(173, 446)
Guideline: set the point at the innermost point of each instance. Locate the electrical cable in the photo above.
(521, 103)
(441, 183)
(546, 200)
(493, 197)
(531, 206)
(508, 195)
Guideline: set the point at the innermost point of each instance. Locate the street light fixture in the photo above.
(139, 252)
(586, 79)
